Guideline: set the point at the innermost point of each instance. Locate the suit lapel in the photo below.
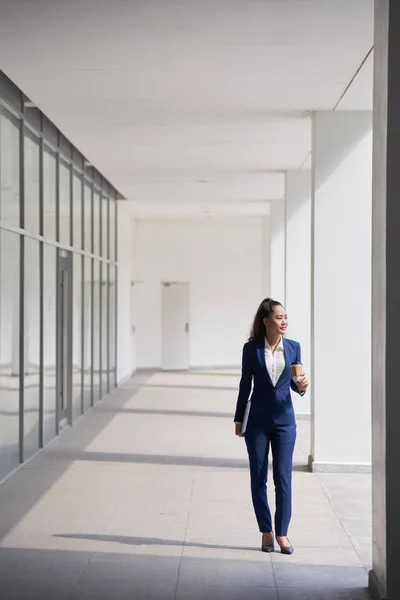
(288, 361)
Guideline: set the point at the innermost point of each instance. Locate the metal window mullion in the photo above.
(108, 227)
(108, 327)
(92, 218)
(82, 333)
(41, 186)
(115, 231)
(57, 196)
(41, 345)
(58, 342)
(69, 333)
(91, 331)
(116, 292)
(71, 206)
(116, 326)
(83, 214)
(21, 292)
(41, 289)
(100, 328)
(101, 223)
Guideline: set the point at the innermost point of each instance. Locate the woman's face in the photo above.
(277, 322)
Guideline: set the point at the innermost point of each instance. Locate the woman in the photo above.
(267, 358)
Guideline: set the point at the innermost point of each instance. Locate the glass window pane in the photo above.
(88, 217)
(9, 351)
(32, 348)
(104, 329)
(112, 229)
(32, 183)
(96, 223)
(96, 331)
(65, 200)
(77, 226)
(9, 168)
(112, 326)
(104, 226)
(87, 334)
(77, 338)
(49, 193)
(49, 342)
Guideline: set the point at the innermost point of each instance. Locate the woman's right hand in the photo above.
(238, 430)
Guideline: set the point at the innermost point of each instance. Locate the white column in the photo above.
(298, 269)
(341, 291)
(277, 251)
(385, 574)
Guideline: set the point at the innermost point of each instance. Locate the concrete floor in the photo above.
(147, 497)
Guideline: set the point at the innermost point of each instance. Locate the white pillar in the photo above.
(341, 291)
(277, 251)
(385, 574)
(298, 268)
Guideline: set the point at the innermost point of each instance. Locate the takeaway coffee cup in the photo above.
(296, 371)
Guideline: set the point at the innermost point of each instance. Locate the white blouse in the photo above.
(275, 361)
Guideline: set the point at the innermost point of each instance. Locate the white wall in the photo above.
(342, 147)
(223, 262)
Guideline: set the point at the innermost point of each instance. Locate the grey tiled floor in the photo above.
(147, 497)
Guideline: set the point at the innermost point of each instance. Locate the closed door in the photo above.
(175, 326)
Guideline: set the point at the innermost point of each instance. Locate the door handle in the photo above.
(187, 327)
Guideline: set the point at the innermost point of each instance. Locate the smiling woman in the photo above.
(268, 417)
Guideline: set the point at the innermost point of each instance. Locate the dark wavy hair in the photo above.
(264, 311)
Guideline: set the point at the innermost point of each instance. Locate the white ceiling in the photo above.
(191, 105)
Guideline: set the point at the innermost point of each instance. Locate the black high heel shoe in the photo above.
(267, 547)
(286, 549)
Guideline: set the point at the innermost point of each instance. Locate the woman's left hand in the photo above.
(302, 384)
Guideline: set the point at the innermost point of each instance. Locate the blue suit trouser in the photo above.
(282, 439)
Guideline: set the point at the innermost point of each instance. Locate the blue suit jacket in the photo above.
(270, 405)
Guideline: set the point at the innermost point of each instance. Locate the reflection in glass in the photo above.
(96, 223)
(77, 207)
(9, 351)
(65, 202)
(104, 227)
(49, 193)
(112, 326)
(96, 331)
(77, 338)
(87, 334)
(32, 347)
(32, 183)
(49, 342)
(88, 216)
(112, 229)
(104, 328)
(9, 168)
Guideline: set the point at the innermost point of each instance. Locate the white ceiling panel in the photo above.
(189, 101)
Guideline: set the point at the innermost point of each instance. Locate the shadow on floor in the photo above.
(13, 505)
(168, 413)
(144, 541)
(27, 574)
(157, 459)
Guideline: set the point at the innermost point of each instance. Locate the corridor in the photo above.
(147, 497)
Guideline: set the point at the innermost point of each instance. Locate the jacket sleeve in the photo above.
(244, 386)
(298, 360)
